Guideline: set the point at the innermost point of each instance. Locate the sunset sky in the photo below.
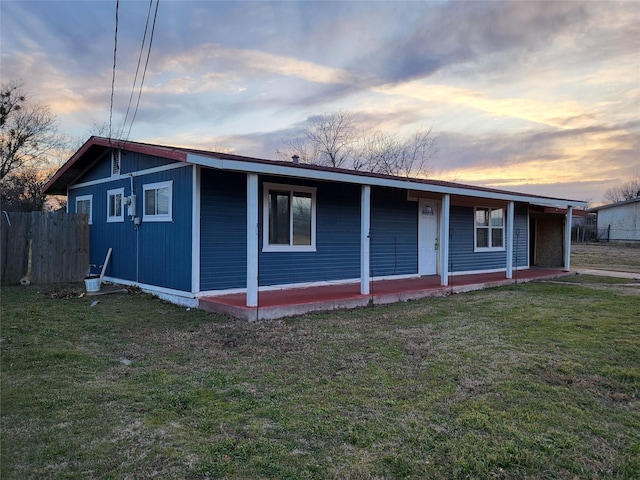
(538, 97)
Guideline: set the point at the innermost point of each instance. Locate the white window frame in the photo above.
(165, 217)
(114, 193)
(84, 198)
(116, 159)
(489, 229)
(266, 246)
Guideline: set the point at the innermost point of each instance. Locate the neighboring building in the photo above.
(185, 224)
(619, 221)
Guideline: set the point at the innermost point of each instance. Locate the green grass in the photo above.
(537, 380)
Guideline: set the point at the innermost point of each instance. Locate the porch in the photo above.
(274, 304)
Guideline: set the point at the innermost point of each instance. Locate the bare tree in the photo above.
(28, 134)
(21, 190)
(626, 191)
(326, 140)
(335, 140)
(401, 156)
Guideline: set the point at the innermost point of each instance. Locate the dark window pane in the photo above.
(482, 237)
(301, 218)
(496, 237)
(279, 218)
(149, 202)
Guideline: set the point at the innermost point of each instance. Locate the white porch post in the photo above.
(252, 240)
(195, 231)
(444, 240)
(567, 239)
(365, 228)
(510, 220)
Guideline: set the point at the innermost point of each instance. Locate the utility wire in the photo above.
(144, 72)
(113, 77)
(135, 79)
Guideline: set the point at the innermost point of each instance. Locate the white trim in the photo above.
(365, 240)
(297, 172)
(84, 198)
(252, 240)
(480, 272)
(444, 240)
(164, 217)
(509, 237)
(290, 286)
(175, 296)
(567, 239)
(266, 246)
(115, 192)
(422, 240)
(139, 173)
(528, 239)
(489, 229)
(195, 230)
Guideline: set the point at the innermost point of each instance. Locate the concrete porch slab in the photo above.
(275, 304)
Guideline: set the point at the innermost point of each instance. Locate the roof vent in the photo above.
(295, 159)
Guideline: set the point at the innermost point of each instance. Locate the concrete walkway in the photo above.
(608, 273)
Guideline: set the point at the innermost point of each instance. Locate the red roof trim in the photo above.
(158, 151)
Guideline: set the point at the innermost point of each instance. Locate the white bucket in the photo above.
(92, 284)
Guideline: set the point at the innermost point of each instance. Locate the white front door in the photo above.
(428, 237)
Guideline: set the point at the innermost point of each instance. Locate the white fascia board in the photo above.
(329, 176)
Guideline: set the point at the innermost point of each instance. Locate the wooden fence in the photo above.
(43, 247)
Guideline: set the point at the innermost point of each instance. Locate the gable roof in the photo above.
(614, 205)
(97, 147)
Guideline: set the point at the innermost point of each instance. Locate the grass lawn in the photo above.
(622, 257)
(540, 380)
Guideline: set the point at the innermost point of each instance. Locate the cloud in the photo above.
(244, 62)
(455, 33)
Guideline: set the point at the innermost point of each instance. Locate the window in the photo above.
(158, 200)
(289, 218)
(115, 210)
(489, 229)
(83, 205)
(115, 162)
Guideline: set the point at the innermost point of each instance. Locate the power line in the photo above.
(113, 77)
(135, 79)
(144, 72)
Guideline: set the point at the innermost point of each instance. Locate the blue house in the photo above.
(185, 224)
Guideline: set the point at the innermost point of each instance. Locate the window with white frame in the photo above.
(489, 228)
(158, 202)
(115, 207)
(289, 218)
(83, 205)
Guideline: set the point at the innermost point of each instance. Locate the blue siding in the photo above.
(102, 169)
(165, 247)
(462, 258)
(223, 230)
(157, 253)
(521, 235)
(134, 162)
(394, 233)
(129, 162)
(337, 254)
